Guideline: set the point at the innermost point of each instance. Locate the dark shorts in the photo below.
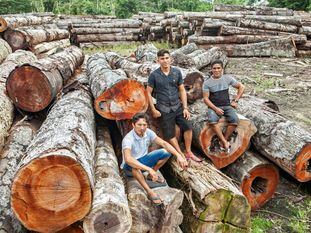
(151, 159)
(168, 121)
(229, 113)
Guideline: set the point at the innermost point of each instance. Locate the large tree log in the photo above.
(106, 37)
(213, 197)
(90, 30)
(305, 30)
(292, 20)
(20, 137)
(279, 139)
(20, 21)
(33, 86)
(52, 188)
(5, 50)
(189, 48)
(205, 138)
(258, 178)
(107, 44)
(128, 23)
(227, 30)
(303, 53)
(250, 23)
(116, 96)
(147, 52)
(48, 46)
(283, 47)
(110, 212)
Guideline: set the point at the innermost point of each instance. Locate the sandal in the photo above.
(154, 199)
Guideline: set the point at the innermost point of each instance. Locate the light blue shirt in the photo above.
(138, 145)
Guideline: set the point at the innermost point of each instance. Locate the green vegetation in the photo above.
(261, 225)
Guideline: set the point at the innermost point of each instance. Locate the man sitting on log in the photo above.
(136, 158)
(167, 84)
(216, 97)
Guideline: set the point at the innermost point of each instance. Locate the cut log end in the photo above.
(122, 101)
(303, 164)
(260, 185)
(193, 84)
(239, 142)
(16, 39)
(3, 24)
(29, 88)
(51, 191)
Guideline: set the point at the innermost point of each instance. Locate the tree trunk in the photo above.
(303, 53)
(27, 38)
(306, 30)
(116, 96)
(277, 138)
(20, 137)
(283, 47)
(24, 20)
(205, 138)
(5, 50)
(48, 46)
(213, 197)
(147, 52)
(226, 30)
(292, 20)
(81, 31)
(189, 48)
(52, 188)
(33, 86)
(106, 37)
(266, 25)
(107, 44)
(110, 212)
(258, 178)
(129, 23)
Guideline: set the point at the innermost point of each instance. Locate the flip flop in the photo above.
(156, 198)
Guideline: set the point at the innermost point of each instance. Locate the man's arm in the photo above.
(209, 103)
(180, 158)
(241, 89)
(183, 97)
(155, 112)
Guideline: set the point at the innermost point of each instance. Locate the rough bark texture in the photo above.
(110, 212)
(189, 48)
(205, 138)
(20, 137)
(106, 37)
(5, 50)
(52, 188)
(226, 30)
(33, 86)
(104, 30)
(258, 178)
(116, 96)
(48, 46)
(147, 52)
(279, 139)
(213, 197)
(266, 25)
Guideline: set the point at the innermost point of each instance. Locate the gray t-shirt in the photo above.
(219, 89)
(138, 145)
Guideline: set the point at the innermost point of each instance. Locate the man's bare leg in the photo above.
(230, 129)
(188, 139)
(221, 137)
(173, 141)
(137, 174)
(160, 163)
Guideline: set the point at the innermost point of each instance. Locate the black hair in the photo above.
(217, 61)
(162, 52)
(138, 116)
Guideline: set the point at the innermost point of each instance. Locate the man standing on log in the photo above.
(216, 97)
(136, 158)
(167, 84)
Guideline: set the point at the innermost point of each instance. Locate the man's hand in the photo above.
(186, 113)
(156, 113)
(234, 104)
(219, 111)
(153, 174)
(182, 162)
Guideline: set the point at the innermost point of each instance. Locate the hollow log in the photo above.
(283, 47)
(205, 139)
(33, 86)
(250, 23)
(20, 137)
(20, 21)
(116, 96)
(257, 178)
(22, 39)
(110, 211)
(48, 46)
(147, 52)
(279, 139)
(5, 50)
(52, 188)
(213, 198)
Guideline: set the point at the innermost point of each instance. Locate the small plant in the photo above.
(261, 225)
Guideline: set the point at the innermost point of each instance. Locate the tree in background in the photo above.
(291, 4)
(15, 6)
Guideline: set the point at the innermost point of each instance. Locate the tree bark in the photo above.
(48, 46)
(147, 52)
(116, 96)
(258, 178)
(27, 38)
(52, 188)
(21, 21)
(110, 211)
(227, 30)
(306, 30)
(33, 86)
(111, 24)
(205, 139)
(106, 37)
(90, 30)
(303, 53)
(20, 137)
(5, 50)
(107, 44)
(277, 138)
(189, 48)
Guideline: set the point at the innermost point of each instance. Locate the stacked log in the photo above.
(20, 137)
(5, 49)
(147, 52)
(6, 106)
(46, 49)
(206, 140)
(256, 176)
(32, 87)
(280, 140)
(110, 211)
(52, 188)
